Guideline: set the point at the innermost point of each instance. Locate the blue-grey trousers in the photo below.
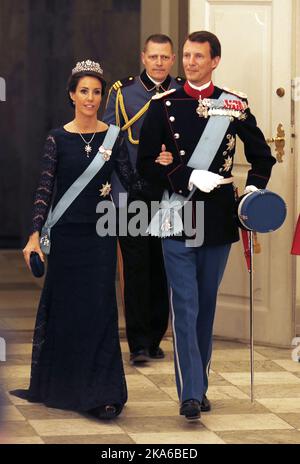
(194, 275)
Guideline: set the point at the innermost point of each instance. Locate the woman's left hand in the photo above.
(165, 157)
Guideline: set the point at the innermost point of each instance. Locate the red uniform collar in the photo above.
(205, 93)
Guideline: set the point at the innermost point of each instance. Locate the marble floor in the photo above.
(151, 414)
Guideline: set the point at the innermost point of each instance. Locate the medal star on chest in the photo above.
(105, 190)
(227, 164)
(231, 142)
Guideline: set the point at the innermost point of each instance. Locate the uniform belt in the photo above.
(228, 180)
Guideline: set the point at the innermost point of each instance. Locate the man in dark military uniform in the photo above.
(178, 120)
(145, 285)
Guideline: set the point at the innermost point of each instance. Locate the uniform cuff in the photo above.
(179, 179)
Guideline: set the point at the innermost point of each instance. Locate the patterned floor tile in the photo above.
(150, 409)
(17, 323)
(115, 439)
(166, 367)
(273, 391)
(292, 419)
(23, 441)
(15, 372)
(18, 359)
(261, 378)
(19, 348)
(274, 437)
(152, 412)
(281, 405)
(274, 353)
(235, 355)
(244, 366)
(91, 426)
(225, 392)
(236, 406)
(137, 381)
(22, 300)
(40, 412)
(162, 380)
(215, 395)
(288, 365)
(19, 429)
(244, 422)
(11, 413)
(162, 424)
(203, 437)
(145, 394)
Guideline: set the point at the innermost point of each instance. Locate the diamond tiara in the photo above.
(87, 65)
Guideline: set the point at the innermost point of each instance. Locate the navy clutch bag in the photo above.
(37, 265)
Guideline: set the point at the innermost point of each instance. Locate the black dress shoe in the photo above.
(109, 411)
(191, 409)
(139, 356)
(205, 404)
(156, 353)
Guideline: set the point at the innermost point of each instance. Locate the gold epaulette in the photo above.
(235, 92)
(123, 83)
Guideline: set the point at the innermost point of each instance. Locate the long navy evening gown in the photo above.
(76, 357)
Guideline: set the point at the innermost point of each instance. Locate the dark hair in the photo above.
(75, 78)
(205, 36)
(158, 38)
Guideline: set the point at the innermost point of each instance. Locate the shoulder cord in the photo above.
(128, 123)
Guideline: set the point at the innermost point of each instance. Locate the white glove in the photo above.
(250, 189)
(205, 181)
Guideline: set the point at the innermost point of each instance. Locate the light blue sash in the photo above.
(167, 221)
(76, 188)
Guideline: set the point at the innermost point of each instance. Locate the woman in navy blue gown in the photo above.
(76, 357)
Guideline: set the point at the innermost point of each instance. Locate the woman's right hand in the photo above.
(165, 157)
(33, 244)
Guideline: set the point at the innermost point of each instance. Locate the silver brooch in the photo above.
(106, 153)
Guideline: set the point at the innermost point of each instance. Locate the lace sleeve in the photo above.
(43, 196)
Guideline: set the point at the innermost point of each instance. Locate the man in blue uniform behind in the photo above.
(198, 124)
(145, 285)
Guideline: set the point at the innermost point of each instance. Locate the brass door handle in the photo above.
(279, 142)
(275, 139)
